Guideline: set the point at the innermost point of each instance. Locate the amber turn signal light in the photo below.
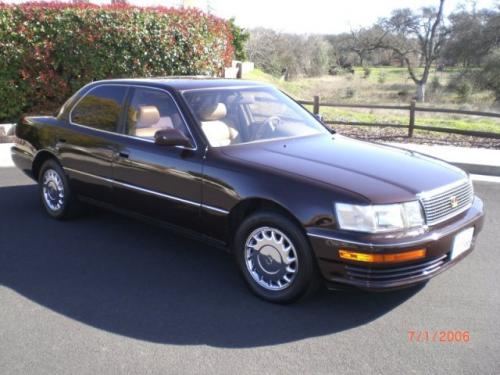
(382, 258)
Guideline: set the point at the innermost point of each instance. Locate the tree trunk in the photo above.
(421, 92)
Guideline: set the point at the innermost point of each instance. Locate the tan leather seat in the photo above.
(217, 131)
(149, 122)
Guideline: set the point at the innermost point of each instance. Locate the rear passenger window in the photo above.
(100, 108)
(152, 110)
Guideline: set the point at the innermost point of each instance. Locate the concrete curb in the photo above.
(486, 170)
(473, 160)
(5, 158)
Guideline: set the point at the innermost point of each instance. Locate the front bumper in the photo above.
(438, 241)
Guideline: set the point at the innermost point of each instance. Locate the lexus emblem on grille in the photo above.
(453, 201)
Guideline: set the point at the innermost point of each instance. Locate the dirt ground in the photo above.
(390, 134)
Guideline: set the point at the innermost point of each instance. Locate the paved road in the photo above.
(107, 294)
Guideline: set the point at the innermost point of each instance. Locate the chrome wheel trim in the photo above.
(53, 190)
(271, 258)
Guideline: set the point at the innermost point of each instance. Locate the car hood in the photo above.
(380, 173)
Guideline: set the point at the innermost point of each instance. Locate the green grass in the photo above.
(370, 91)
(441, 121)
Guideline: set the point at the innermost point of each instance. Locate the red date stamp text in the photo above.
(439, 336)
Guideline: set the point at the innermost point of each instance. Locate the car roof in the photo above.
(183, 83)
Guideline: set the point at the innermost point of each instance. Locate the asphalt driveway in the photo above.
(109, 294)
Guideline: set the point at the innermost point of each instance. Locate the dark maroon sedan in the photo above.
(244, 166)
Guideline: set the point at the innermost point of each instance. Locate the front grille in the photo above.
(397, 273)
(441, 205)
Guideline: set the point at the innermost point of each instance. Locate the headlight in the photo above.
(379, 218)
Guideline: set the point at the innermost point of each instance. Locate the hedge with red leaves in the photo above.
(49, 50)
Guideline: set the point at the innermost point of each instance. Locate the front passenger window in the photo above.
(153, 110)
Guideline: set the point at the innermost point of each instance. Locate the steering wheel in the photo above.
(266, 129)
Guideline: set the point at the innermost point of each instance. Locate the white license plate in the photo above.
(462, 242)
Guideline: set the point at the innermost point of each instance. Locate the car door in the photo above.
(90, 142)
(154, 180)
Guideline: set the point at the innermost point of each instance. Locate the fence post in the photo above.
(239, 70)
(316, 104)
(411, 125)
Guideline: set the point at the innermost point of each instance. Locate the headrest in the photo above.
(148, 115)
(212, 112)
(247, 99)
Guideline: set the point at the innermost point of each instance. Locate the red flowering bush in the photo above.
(49, 50)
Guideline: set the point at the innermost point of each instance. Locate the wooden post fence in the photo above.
(316, 105)
(239, 71)
(411, 126)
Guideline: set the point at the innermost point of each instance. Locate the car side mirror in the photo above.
(172, 137)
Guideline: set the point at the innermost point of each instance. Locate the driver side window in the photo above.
(152, 110)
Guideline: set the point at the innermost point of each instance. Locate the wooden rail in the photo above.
(412, 109)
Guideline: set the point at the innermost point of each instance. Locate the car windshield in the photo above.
(230, 116)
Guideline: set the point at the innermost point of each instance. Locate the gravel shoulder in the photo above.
(390, 134)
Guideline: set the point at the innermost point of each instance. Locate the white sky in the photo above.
(309, 16)
(319, 16)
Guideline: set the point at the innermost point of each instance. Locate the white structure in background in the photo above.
(232, 71)
(6, 129)
(246, 66)
(5, 158)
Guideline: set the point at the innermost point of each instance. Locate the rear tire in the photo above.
(275, 258)
(55, 193)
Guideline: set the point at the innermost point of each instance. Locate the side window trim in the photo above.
(120, 129)
(122, 124)
(120, 117)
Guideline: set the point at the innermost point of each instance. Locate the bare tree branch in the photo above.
(415, 35)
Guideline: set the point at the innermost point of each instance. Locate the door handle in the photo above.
(123, 154)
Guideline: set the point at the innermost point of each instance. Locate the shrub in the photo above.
(349, 92)
(435, 83)
(49, 50)
(489, 75)
(403, 94)
(382, 77)
(366, 71)
(464, 89)
(334, 70)
(457, 79)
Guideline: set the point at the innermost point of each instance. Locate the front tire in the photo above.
(56, 196)
(275, 258)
